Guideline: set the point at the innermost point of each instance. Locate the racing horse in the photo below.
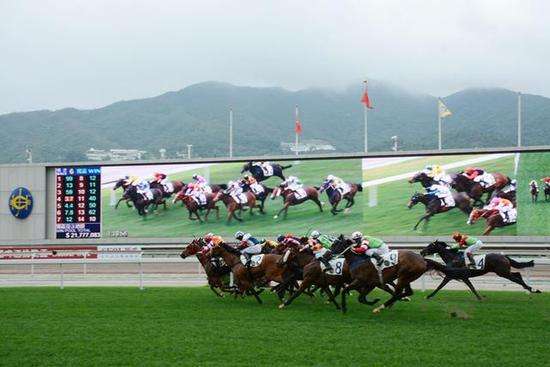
(177, 186)
(141, 203)
(335, 195)
(122, 183)
(546, 190)
(259, 173)
(461, 183)
(217, 271)
(260, 196)
(434, 205)
(232, 205)
(290, 198)
(271, 269)
(492, 218)
(193, 207)
(494, 263)
(365, 277)
(534, 191)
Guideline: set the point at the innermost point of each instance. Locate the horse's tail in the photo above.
(520, 265)
(285, 167)
(359, 187)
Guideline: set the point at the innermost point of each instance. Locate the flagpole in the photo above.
(439, 123)
(230, 132)
(365, 113)
(519, 119)
(296, 118)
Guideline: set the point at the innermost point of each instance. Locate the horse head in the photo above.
(192, 248)
(418, 177)
(324, 186)
(434, 247)
(180, 196)
(246, 167)
(415, 199)
(119, 183)
(475, 215)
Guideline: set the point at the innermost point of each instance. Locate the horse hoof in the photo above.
(378, 309)
(281, 306)
(275, 216)
(406, 299)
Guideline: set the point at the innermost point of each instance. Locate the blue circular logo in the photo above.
(21, 202)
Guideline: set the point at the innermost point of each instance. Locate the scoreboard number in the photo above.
(78, 203)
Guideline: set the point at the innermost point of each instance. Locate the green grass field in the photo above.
(174, 221)
(391, 216)
(533, 218)
(191, 327)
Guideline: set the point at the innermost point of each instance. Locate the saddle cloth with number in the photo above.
(255, 260)
(390, 259)
(299, 194)
(337, 266)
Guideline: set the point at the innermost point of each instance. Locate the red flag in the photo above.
(298, 127)
(365, 100)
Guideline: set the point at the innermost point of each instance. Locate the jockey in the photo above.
(143, 188)
(211, 240)
(201, 183)
(338, 184)
(235, 189)
(479, 175)
(470, 243)
(321, 244)
(504, 206)
(437, 173)
(511, 187)
(289, 240)
(534, 183)
(369, 246)
(546, 181)
(249, 245)
(162, 179)
(443, 193)
(159, 177)
(293, 183)
(256, 188)
(195, 191)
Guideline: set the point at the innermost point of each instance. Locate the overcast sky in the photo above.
(91, 53)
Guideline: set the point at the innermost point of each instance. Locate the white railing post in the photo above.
(423, 282)
(32, 264)
(84, 265)
(140, 276)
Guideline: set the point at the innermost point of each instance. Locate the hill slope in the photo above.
(264, 118)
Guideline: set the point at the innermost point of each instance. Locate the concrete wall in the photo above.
(34, 179)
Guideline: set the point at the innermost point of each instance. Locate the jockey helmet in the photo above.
(280, 238)
(195, 176)
(356, 235)
(230, 183)
(457, 236)
(239, 235)
(330, 177)
(315, 234)
(208, 236)
(246, 177)
(469, 170)
(514, 182)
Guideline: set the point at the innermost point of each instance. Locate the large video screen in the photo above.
(503, 194)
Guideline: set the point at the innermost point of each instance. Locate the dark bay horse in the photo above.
(141, 203)
(217, 271)
(534, 190)
(474, 189)
(259, 174)
(123, 184)
(365, 278)
(494, 263)
(492, 217)
(335, 195)
(232, 206)
(546, 191)
(434, 206)
(194, 208)
(271, 269)
(290, 198)
(260, 197)
(177, 185)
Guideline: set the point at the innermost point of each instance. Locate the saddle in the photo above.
(300, 194)
(255, 260)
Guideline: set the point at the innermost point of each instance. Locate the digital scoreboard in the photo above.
(78, 202)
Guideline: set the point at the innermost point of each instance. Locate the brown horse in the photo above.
(194, 208)
(461, 183)
(534, 190)
(335, 195)
(271, 269)
(177, 185)
(492, 217)
(290, 198)
(216, 270)
(365, 277)
(232, 206)
(495, 263)
(434, 206)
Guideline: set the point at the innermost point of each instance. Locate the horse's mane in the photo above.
(340, 244)
(230, 249)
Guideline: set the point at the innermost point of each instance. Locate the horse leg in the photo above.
(424, 218)
(363, 296)
(353, 285)
(305, 285)
(334, 209)
(517, 278)
(488, 230)
(443, 283)
(198, 216)
(280, 211)
(472, 288)
(316, 200)
(118, 202)
(216, 292)
(398, 294)
(331, 296)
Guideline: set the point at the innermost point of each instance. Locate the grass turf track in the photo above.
(533, 219)
(174, 222)
(391, 217)
(190, 326)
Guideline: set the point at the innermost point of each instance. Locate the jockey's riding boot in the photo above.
(472, 260)
(325, 262)
(378, 258)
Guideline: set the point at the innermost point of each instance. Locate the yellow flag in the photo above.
(443, 110)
